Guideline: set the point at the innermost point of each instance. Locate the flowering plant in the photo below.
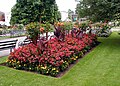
(33, 31)
(53, 60)
(47, 28)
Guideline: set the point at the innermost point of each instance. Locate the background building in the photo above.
(5, 18)
(2, 16)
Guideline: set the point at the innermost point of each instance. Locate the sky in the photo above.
(6, 5)
(63, 5)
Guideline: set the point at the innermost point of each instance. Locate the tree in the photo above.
(98, 10)
(57, 14)
(26, 11)
(70, 13)
(117, 16)
(51, 13)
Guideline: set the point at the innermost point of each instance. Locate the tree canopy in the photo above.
(70, 13)
(98, 10)
(26, 11)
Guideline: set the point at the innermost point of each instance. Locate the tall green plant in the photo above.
(27, 11)
(47, 28)
(33, 31)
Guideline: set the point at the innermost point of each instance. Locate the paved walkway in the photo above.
(7, 52)
(20, 39)
(115, 29)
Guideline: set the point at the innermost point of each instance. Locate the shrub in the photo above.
(33, 30)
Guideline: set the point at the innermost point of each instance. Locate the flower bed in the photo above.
(54, 59)
(102, 29)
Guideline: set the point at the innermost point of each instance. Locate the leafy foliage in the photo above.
(27, 11)
(53, 60)
(34, 29)
(70, 12)
(98, 10)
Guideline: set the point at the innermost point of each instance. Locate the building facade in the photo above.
(2, 16)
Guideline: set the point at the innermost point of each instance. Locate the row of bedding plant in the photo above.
(51, 56)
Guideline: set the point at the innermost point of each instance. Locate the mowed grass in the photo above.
(4, 37)
(101, 67)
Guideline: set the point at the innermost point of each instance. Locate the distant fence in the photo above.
(12, 33)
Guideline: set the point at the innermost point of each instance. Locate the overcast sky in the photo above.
(6, 5)
(64, 5)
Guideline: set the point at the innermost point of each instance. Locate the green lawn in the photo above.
(101, 67)
(5, 37)
(8, 37)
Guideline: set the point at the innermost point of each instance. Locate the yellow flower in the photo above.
(53, 68)
(44, 67)
(18, 62)
(47, 72)
(7, 61)
(76, 57)
(57, 71)
(24, 64)
(14, 61)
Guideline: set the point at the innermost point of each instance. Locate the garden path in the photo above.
(20, 39)
(115, 29)
(7, 51)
